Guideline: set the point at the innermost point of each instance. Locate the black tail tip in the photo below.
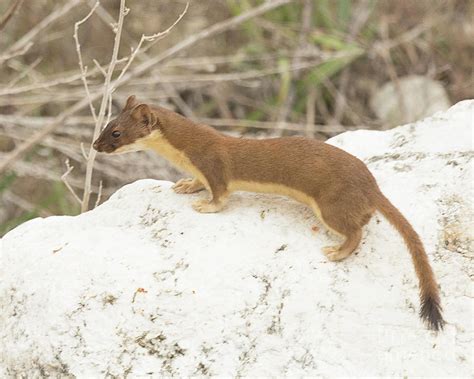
(430, 312)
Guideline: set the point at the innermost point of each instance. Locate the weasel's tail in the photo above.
(430, 311)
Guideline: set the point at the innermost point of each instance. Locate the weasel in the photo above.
(337, 186)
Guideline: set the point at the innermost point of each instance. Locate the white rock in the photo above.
(413, 98)
(145, 285)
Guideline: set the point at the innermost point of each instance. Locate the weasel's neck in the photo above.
(185, 134)
(179, 140)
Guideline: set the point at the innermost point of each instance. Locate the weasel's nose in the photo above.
(96, 145)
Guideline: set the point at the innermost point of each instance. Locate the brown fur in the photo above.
(335, 184)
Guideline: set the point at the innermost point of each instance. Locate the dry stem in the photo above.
(103, 106)
(66, 183)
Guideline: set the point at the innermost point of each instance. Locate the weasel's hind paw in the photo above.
(188, 185)
(334, 253)
(205, 206)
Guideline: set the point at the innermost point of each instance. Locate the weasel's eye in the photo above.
(116, 134)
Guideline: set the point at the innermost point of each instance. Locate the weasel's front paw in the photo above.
(205, 206)
(188, 185)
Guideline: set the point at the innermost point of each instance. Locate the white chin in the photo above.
(127, 149)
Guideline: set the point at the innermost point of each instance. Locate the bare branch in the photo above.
(24, 73)
(100, 68)
(152, 38)
(66, 183)
(99, 195)
(15, 53)
(79, 56)
(84, 154)
(157, 36)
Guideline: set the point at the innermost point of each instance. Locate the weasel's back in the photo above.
(305, 164)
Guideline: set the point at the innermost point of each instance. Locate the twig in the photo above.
(9, 13)
(66, 183)
(99, 195)
(15, 53)
(23, 168)
(100, 68)
(83, 151)
(24, 73)
(150, 38)
(79, 56)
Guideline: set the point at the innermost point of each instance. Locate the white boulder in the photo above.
(411, 98)
(143, 285)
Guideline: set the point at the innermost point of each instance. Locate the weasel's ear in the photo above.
(131, 102)
(143, 113)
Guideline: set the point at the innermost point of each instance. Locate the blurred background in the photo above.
(308, 67)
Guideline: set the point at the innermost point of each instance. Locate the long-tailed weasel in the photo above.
(336, 185)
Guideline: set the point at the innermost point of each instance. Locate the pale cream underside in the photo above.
(156, 142)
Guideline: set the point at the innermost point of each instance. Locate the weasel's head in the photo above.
(129, 130)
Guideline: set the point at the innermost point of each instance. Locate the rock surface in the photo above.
(144, 285)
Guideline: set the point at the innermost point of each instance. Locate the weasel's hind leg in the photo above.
(337, 253)
(218, 201)
(346, 221)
